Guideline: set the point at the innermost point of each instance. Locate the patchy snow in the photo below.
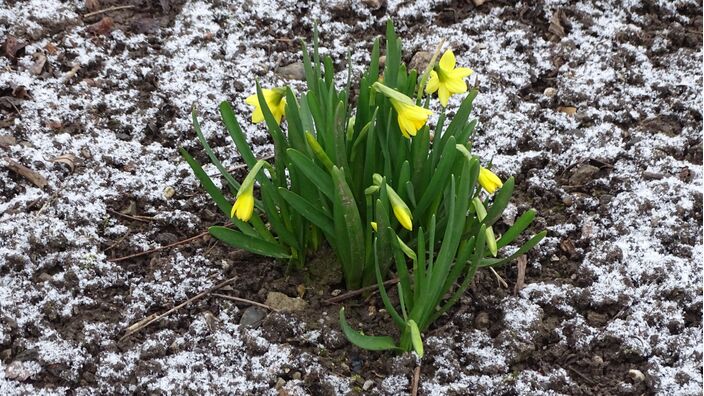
(633, 288)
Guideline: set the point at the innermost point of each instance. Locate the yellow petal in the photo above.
(447, 62)
(456, 86)
(461, 72)
(374, 226)
(244, 206)
(488, 180)
(443, 95)
(257, 115)
(403, 216)
(433, 82)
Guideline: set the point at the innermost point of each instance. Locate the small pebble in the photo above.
(367, 385)
(550, 92)
(169, 192)
(482, 320)
(636, 375)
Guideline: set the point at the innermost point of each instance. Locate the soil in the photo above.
(595, 107)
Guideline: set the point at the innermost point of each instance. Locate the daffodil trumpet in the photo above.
(446, 79)
(488, 180)
(243, 207)
(410, 118)
(275, 100)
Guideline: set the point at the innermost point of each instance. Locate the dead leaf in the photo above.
(103, 26)
(33, 176)
(567, 246)
(521, 278)
(7, 140)
(69, 159)
(51, 48)
(20, 92)
(55, 125)
(556, 24)
(92, 5)
(39, 61)
(569, 110)
(11, 47)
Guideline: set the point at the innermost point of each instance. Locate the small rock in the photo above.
(652, 175)
(17, 371)
(636, 375)
(210, 320)
(296, 376)
(252, 316)
(598, 360)
(7, 141)
(284, 303)
(169, 192)
(367, 385)
(568, 200)
(294, 71)
(44, 277)
(382, 61)
(280, 383)
(420, 61)
(550, 92)
(335, 292)
(583, 175)
(482, 321)
(374, 4)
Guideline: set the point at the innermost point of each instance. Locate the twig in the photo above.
(416, 380)
(116, 8)
(499, 279)
(357, 292)
(153, 318)
(181, 242)
(144, 219)
(244, 300)
(521, 278)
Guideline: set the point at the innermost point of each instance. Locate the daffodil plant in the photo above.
(386, 183)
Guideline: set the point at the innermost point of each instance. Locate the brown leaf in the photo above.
(521, 278)
(92, 5)
(68, 159)
(33, 176)
(556, 24)
(103, 26)
(11, 47)
(20, 92)
(38, 66)
(51, 48)
(569, 110)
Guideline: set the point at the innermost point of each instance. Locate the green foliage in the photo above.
(344, 172)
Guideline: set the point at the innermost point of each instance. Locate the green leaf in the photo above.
(501, 199)
(495, 262)
(321, 179)
(233, 127)
(372, 343)
(205, 181)
(415, 338)
(246, 242)
(309, 211)
(439, 179)
(516, 229)
(230, 180)
(348, 230)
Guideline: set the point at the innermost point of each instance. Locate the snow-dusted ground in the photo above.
(617, 286)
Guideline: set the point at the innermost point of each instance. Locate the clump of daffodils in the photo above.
(365, 178)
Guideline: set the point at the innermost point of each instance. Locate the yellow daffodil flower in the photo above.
(244, 205)
(446, 79)
(411, 118)
(489, 181)
(244, 201)
(276, 101)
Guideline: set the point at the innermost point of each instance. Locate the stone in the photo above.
(583, 175)
(284, 303)
(252, 316)
(293, 71)
(420, 61)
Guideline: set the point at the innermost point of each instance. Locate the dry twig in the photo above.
(244, 301)
(116, 8)
(154, 317)
(357, 292)
(416, 381)
(181, 242)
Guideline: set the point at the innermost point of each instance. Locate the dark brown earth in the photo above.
(598, 370)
